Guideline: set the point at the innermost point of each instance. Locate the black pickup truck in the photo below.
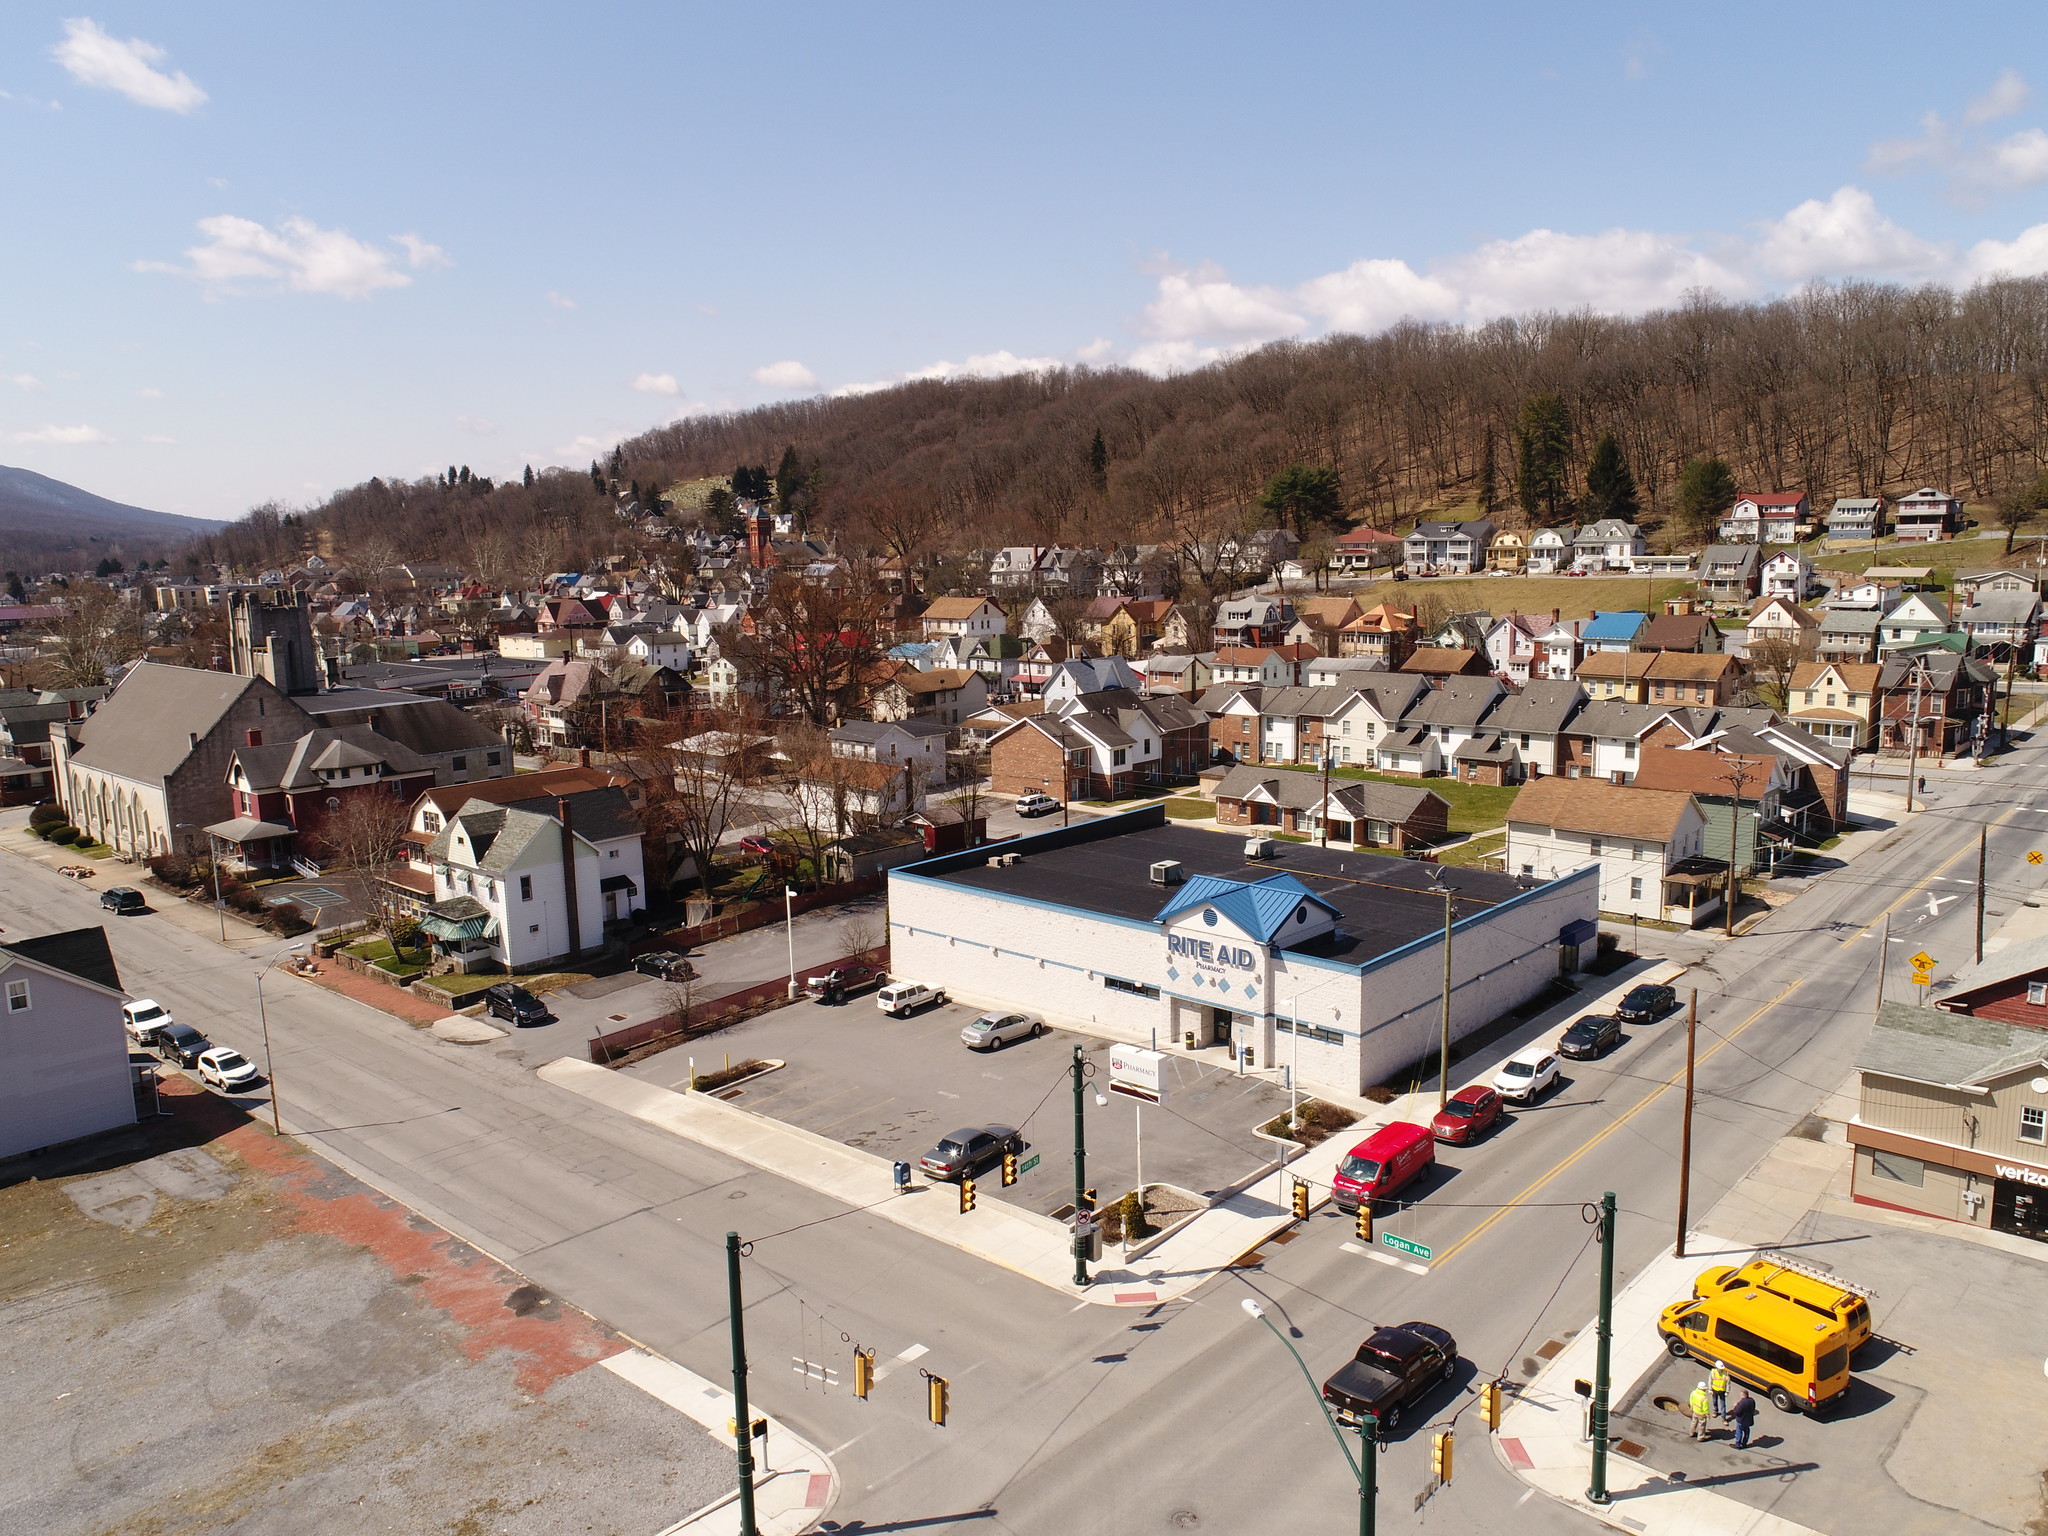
(1390, 1370)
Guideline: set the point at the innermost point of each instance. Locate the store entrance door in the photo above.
(1221, 1021)
(2021, 1209)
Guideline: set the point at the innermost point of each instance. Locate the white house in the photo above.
(1927, 515)
(1511, 645)
(1550, 551)
(520, 889)
(664, 648)
(1647, 843)
(1607, 545)
(1765, 517)
(969, 616)
(63, 1055)
(1787, 574)
(1354, 731)
(1558, 650)
(919, 741)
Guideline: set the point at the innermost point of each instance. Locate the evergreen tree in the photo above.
(724, 514)
(15, 589)
(527, 480)
(465, 474)
(1489, 478)
(1705, 490)
(596, 478)
(1543, 445)
(1610, 488)
(1304, 497)
(618, 462)
(1098, 460)
(451, 475)
(107, 567)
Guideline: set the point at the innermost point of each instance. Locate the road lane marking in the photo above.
(915, 1352)
(1678, 1077)
(1385, 1258)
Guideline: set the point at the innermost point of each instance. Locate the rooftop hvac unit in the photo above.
(1166, 872)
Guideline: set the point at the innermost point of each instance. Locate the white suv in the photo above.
(144, 1019)
(1036, 804)
(901, 998)
(1527, 1075)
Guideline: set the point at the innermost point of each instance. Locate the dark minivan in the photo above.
(516, 1004)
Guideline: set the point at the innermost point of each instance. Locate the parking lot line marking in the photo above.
(1385, 1258)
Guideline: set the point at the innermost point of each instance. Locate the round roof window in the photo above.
(1301, 913)
(1209, 916)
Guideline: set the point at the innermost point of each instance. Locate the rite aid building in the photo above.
(1128, 925)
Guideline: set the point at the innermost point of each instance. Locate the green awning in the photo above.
(459, 917)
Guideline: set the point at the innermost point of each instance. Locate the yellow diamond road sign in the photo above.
(1922, 961)
(2033, 856)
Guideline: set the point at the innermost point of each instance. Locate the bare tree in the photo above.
(98, 630)
(358, 840)
(696, 782)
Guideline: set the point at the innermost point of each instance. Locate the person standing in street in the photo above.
(1717, 1384)
(1743, 1417)
(1702, 1405)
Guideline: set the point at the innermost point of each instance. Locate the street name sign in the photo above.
(1402, 1245)
(1028, 1164)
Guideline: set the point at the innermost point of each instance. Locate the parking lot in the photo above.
(895, 1086)
(1912, 1449)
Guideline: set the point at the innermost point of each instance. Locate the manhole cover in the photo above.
(1668, 1403)
(1183, 1519)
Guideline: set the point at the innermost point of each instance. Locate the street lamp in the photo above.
(1365, 1466)
(789, 931)
(263, 1013)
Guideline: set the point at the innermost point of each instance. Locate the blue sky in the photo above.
(261, 251)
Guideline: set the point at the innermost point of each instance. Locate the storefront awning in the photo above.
(618, 883)
(247, 829)
(459, 917)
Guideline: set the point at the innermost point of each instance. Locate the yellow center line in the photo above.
(1699, 1061)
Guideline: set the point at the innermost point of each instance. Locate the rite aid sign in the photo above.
(1137, 1073)
(1207, 954)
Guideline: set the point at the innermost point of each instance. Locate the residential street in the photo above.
(1065, 1417)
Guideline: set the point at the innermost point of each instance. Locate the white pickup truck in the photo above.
(901, 998)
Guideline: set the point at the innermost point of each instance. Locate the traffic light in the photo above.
(1009, 1169)
(863, 1371)
(1300, 1200)
(1364, 1222)
(1489, 1404)
(1087, 1199)
(966, 1195)
(1440, 1456)
(936, 1398)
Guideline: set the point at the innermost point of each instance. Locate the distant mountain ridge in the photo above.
(47, 522)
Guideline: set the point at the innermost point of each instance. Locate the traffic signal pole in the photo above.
(745, 1431)
(1602, 1343)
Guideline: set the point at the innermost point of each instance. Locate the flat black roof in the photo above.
(1382, 902)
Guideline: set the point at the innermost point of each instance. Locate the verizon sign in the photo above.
(2005, 1170)
(1137, 1073)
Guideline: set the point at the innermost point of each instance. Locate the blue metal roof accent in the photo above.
(1258, 907)
(1613, 626)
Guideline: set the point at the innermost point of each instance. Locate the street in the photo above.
(1186, 1416)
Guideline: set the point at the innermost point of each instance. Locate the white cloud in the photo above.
(94, 57)
(789, 374)
(149, 392)
(63, 436)
(29, 382)
(477, 426)
(559, 301)
(982, 365)
(1846, 234)
(297, 255)
(589, 446)
(1205, 302)
(2025, 255)
(159, 439)
(2007, 95)
(658, 384)
(2020, 160)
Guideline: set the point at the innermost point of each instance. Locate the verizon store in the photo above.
(1130, 926)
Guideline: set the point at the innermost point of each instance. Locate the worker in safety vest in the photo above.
(1717, 1384)
(1702, 1405)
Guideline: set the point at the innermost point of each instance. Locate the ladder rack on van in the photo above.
(1814, 1272)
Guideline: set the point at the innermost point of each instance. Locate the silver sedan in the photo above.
(993, 1031)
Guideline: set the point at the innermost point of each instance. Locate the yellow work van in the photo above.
(1799, 1360)
(1804, 1285)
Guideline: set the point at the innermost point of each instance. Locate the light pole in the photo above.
(263, 1014)
(789, 931)
(1365, 1466)
(1081, 1215)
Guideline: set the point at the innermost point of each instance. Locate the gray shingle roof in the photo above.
(80, 952)
(1295, 789)
(1543, 705)
(143, 730)
(2018, 960)
(1461, 701)
(1928, 1045)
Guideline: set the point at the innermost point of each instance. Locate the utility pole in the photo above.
(1738, 777)
(1323, 815)
(1913, 738)
(1692, 1016)
(744, 1424)
(1883, 955)
(1981, 833)
(1603, 1341)
(1080, 1174)
(1443, 1076)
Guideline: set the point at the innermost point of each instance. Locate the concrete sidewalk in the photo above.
(794, 1481)
(1541, 1437)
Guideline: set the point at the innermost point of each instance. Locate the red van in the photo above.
(1384, 1162)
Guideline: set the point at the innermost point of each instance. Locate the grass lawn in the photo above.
(1475, 853)
(95, 850)
(456, 984)
(1574, 597)
(1190, 810)
(1474, 807)
(380, 954)
(1945, 559)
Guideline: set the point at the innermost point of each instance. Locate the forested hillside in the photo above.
(1847, 390)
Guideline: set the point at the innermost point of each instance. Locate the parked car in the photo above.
(1527, 1075)
(665, 964)
(226, 1068)
(1468, 1115)
(900, 999)
(755, 843)
(1392, 1368)
(122, 900)
(1646, 1004)
(1595, 1034)
(143, 1018)
(856, 977)
(182, 1044)
(960, 1154)
(1036, 804)
(993, 1031)
(516, 1004)
(1384, 1162)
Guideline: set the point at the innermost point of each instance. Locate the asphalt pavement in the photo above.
(1191, 1417)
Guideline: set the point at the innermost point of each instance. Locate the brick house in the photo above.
(1100, 745)
(1361, 813)
(1948, 693)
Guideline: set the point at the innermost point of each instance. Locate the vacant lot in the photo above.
(1574, 597)
(211, 1330)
